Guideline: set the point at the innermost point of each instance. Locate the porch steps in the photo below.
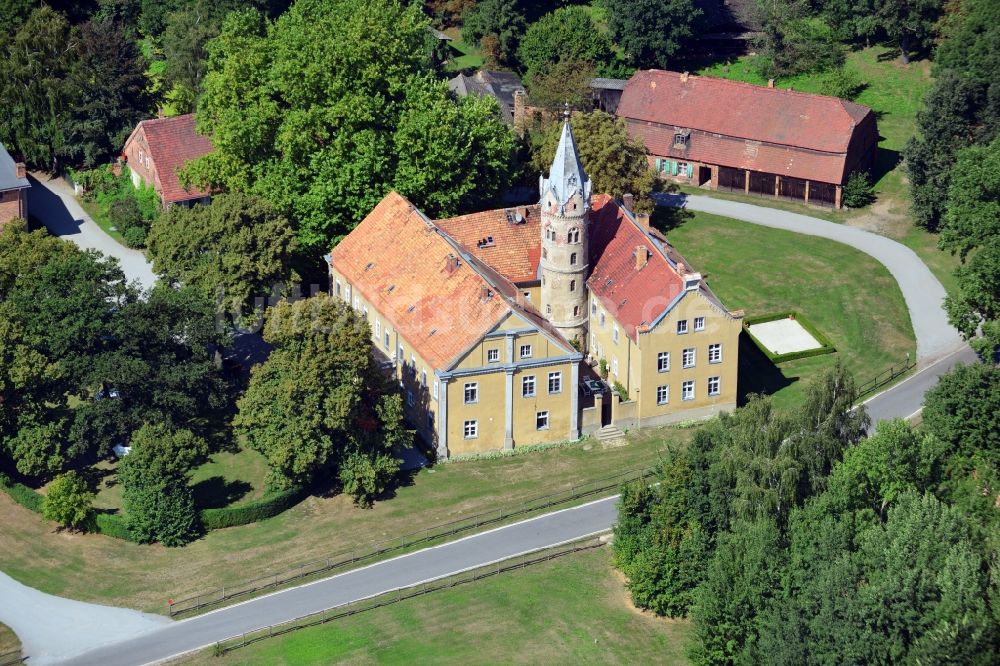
(610, 435)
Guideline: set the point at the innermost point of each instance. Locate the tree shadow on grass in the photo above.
(885, 161)
(670, 212)
(757, 374)
(215, 492)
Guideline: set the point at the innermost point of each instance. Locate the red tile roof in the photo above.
(743, 125)
(633, 297)
(516, 248)
(397, 259)
(172, 143)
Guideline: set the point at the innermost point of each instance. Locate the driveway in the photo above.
(52, 202)
(924, 295)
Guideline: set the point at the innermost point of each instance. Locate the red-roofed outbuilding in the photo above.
(158, 148)
(741, 137)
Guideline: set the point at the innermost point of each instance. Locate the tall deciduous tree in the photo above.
(237, 248)
(498, 26)
(652, 32)
(68, 501)
(910, 24)
(318, 404)
(614, 161)
(566, 34)
(157, 499)
(185, 41)
(310, 113)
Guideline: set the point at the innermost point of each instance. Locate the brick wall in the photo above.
(13, 205)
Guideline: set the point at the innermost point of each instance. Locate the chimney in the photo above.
(628, 201)
(451, 264)
(684, 77)
(641, 257)
(681, 268)
(770, 83)
(20, 171)
(643, 220)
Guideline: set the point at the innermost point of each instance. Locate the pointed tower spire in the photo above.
(566, 176)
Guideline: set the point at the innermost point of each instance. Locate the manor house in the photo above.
(500, 325)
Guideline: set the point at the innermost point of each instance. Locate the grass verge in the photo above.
(849, 296)
(95, 568)
(569, 610)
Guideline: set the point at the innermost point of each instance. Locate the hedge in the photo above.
(251, 512)
(825, 348)
(113, 524)
(22, 494)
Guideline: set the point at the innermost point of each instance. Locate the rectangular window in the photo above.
(378, 330)
(614, 365)
(542, 421)
(699, 323)
(423, 378)
(471, 393)
(366, 312)
(593, 308)
(682, 327)
(687, 360)
(663, 362)
(614, 333)
(525, 351)
(713, 386)
(347, 294)
(401, 357)
(687, 390)
(555, 382)
(715, 353)
(413, 363)
(387, 339)
(602, 319)
(662, 395)
(338, 287)
(435, 392)
(357, 303)
(528, 386)
(471, 429)
(492, 355)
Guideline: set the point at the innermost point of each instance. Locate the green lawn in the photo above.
(226, 479)
(572, 610)
(894, 92)
(99, 214)
(846, 294)
(464, 56)
(92, 567)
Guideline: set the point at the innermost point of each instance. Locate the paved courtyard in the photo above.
(784, 336)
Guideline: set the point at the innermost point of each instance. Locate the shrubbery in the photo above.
(858, 190)
(130, 210)
(266, 507)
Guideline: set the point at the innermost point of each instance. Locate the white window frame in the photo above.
(689, 357)
(338, 287)
(614, 365)
(614, 333)
(687, 390)
(715, 352)
(526, 382)
(493, 355)
(423, 377)
(525, 351)
(435, 391)
(542, 420)
(663, 394)
(557, 378)
(387, 339)
(663, 362)
(473, 388)
(699, 323)
(471, 429)
(682, 326)
(378, 329)
(718, 386)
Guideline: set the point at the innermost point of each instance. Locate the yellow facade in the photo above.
(658, 384)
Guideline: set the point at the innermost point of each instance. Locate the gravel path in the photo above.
(923, 294)
(53, 629)
(52, 202)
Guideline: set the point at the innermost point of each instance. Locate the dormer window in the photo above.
(682, 138)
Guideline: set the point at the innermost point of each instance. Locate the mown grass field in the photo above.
(849, 296)
(92, 567)
(894, 92)
(572, 610)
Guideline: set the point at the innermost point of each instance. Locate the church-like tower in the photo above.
(565, 203)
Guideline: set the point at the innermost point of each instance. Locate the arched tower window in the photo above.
(576, 310)
(574, 235)
(572, 285)
(572, 259)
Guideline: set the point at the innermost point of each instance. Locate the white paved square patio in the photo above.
(784, 336)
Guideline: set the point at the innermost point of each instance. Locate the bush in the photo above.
(252, 512)
(124, 213)
(843, 83)
(69, 501)
(858, 190)
(622, 392)
(134, 237)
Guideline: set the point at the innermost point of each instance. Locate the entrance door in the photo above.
(704, 175)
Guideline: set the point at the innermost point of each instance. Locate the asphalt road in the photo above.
(51, 201)
(404, 571)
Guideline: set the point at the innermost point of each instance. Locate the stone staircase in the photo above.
(610, 435)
